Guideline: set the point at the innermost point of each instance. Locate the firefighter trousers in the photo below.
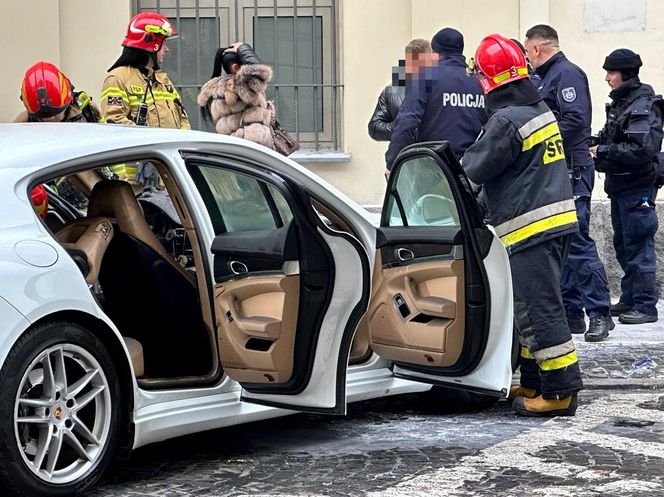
(548, 357)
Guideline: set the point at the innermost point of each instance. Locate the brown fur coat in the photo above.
(238, 104)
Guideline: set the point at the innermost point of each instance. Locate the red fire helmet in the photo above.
(45, 91)
(40, 200)
(499, 61)
(147, 31)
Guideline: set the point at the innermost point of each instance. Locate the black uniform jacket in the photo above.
(631, 139)
(520, 162)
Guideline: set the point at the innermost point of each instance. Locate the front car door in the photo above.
(288, 291)
(441, 306)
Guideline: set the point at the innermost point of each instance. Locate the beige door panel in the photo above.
(257, 344)
(432, 334)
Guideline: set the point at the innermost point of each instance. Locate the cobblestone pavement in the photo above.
(415, 445)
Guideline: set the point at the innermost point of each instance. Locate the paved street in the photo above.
(417, 445)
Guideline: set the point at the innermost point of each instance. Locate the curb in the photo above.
(616, 384)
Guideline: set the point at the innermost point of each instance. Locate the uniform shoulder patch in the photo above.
(114, 100)
(569, 94)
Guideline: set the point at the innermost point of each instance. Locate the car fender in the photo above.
(37, 289)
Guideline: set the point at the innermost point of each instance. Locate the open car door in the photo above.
(441, 306)
(288, 291)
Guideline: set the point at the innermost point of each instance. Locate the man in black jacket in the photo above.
(443, 103)
(564, 88)
(627, 151)
(520, 162)
(418, 55)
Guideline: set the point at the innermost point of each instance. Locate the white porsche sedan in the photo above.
(238, 287)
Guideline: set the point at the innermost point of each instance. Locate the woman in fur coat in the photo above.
(236, 102)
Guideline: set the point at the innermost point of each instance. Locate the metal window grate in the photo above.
(296, 37)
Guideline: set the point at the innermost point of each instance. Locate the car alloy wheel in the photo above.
(59, 428)
(62, 413)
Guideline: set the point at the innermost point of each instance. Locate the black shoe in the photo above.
(620, 308)
(636, 317)
(599, 328)
(577, 326)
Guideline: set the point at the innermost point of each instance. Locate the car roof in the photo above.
(35, 145)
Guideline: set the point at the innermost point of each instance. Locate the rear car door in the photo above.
(288, 291)
(441, 306)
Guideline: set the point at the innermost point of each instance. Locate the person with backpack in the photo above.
(627, 152)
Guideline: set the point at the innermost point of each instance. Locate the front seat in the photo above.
(147, 294)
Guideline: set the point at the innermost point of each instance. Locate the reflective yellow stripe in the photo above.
(539, 136)
(114, 92)
(535, 215)
(558, 362)
(525, 353)
(508, 74)
(539, 227)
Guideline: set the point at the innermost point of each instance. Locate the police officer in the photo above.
(520, 162)
(49, 96)
(443, 103)
(564, 88)
(628, 146)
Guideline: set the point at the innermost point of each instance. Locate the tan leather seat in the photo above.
(116, 199)
(136, 354)
(86, 240)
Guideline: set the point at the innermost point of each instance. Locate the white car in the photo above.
(250, 289)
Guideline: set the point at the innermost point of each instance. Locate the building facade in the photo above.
(331, 58)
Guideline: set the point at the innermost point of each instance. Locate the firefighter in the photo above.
(49, 96)
(627, 152)
(520, 162)
(137, 91)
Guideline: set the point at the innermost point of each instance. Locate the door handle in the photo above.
(238, 267)
(404, 254)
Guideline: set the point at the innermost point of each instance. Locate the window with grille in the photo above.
(297, 38)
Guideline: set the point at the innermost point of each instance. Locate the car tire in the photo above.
(60, 411)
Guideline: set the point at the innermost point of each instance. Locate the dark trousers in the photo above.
(541, 321)
(634, 223)
(584, 283)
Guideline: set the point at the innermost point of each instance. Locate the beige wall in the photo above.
(21, 47)
(372, 35)
(66, 33)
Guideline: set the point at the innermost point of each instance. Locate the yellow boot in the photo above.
(540, 406)
(519, 391)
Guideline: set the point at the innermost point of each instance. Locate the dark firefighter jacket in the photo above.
(520, 162)
(630, 139)
(381, 123)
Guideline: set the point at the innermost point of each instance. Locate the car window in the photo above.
(421, 196)
(242, 203)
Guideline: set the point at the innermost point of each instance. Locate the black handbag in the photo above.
(284, 143)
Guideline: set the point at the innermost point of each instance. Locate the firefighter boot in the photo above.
(542, 407)
(599, 328)
(519, 391)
